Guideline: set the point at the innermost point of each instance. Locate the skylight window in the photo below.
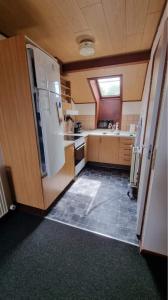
(109, 86)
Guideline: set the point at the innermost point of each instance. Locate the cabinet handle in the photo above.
(127, 160)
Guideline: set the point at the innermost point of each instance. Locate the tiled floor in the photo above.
(98, 202)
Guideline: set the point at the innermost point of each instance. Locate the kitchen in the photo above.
(81, 138)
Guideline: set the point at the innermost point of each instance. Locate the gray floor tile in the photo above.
(98, 201)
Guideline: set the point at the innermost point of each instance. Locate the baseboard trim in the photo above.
(145, 252)
(108, 166)
(30, 209)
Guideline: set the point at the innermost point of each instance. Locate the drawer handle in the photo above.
(126, 159)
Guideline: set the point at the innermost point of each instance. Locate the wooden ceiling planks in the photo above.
(118, 26)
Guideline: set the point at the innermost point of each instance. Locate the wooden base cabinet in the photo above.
(93, 148)
(125, 151)
(54, 186)
(110, 149)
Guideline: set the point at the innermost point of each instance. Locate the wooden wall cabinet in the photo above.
(54, 186)
(109, 149)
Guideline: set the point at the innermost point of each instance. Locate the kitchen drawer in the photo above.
(126, 161)
(126, 143)
(125, 151)
(125, 157)
(125, 154)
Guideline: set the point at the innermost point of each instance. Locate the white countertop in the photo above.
(68, 143)
(104, 132)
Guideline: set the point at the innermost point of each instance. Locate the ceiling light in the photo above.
(86, 48)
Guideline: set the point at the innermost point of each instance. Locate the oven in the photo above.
(79, 158)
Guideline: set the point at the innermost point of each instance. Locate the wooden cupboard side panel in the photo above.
(109, 149)
(53, 186)
(18, 137)
(70, 164)
(93, 148)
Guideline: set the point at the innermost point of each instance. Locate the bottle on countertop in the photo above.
(117, 126)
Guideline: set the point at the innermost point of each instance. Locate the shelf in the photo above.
(65, 87)
(66, 93)
(66, 96)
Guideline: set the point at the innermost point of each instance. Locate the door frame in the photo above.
(153, 109)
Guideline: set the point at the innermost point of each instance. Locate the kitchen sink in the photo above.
(111, 133)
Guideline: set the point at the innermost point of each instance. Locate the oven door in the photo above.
(79, 158)
(79, 154)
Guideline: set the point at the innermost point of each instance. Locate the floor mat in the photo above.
(42, 259)
(97, 201)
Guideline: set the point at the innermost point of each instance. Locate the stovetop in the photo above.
(72, 137)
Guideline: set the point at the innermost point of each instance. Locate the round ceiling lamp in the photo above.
(86, 48)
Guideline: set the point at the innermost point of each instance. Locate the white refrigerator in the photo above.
(46, 94)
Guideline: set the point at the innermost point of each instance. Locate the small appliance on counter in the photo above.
(77, 127)
(103, 124)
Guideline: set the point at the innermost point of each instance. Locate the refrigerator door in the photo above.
(52, 129)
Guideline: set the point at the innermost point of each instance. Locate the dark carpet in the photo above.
(42, 259)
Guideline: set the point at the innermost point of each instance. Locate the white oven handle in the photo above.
(81, 146)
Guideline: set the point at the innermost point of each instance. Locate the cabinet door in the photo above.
(54, 185)
(93, 148)
(109, 149)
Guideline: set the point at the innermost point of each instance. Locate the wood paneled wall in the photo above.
(88, 122)
(110, 109)
(133, 82)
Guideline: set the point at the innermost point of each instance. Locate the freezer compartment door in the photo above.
(40, 64)
(53, 76)
(47, 71)
(52, 129)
